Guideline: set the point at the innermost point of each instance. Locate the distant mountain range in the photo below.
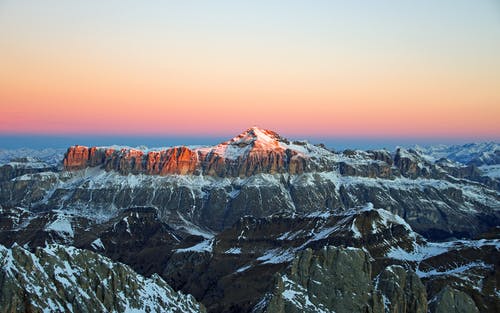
(259, 223)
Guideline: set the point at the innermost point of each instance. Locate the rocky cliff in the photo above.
(252, 152)
(340, 280)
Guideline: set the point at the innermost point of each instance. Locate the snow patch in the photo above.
(61, 225)
(97, 244)
(204, 246)
(276, 256)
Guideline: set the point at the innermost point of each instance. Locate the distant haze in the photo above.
(384, 69)
(63, 142)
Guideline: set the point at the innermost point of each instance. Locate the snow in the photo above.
(204, 246)
(276, 256)
(404, 153)
(258, 140)
(97, 244)
(457, 271)
(125, 219)
(431, 249)
(355, 230)
(48, 156)
(61, 225)
(242, 269)
(233, 251)
(193, 229)
(320, 214)
(460, 153)
(389, 218)
(299, 297)
(492, 171)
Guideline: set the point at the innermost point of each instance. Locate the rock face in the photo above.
(402, 291)
(246, 257)
(252, 152)
(340, 280)
(450, 300)
(65, 279)
(335, 279)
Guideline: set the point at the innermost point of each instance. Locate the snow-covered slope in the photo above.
(65, 279)
(49, 156)
(484, 153)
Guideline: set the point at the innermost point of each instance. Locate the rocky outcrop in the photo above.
(337, 279)
(450, 300)
(411, 164)
(402, 290)
(135, 237)
(65, 279)
(246, 257)
(333, 280)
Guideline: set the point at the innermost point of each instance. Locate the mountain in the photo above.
(253, 151)
(49, 156)
(247, 257)
(486, 153)
(260, 173)
(258, 223)
(64, 279)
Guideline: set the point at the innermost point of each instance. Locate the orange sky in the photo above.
(63, 72)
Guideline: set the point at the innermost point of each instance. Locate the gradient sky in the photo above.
(303, 68)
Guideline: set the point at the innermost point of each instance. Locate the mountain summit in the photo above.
(256, 136)
(253, 141)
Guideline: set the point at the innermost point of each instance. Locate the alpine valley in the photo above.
(258, 223)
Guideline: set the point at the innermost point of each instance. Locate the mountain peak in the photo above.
(256, 137)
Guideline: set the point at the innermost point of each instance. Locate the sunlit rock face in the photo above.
(252, 152)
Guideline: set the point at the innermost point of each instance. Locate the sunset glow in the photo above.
(416, 69)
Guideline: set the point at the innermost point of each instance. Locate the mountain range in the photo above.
(258, 223)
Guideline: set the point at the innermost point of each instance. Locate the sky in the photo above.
(309, 69)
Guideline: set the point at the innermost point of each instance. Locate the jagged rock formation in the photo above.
(450, 300)
(135, 237)
(335, 279)
(402, 291)
(65, 279)
(230, 272)
(246, 257)
(340, 280)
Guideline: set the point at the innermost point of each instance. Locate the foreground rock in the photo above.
(340, 280)
(234, 270)
(65, 279)
(450, 300)
(402, 290)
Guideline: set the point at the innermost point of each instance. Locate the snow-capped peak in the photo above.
(255, 135)
(254, 139)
